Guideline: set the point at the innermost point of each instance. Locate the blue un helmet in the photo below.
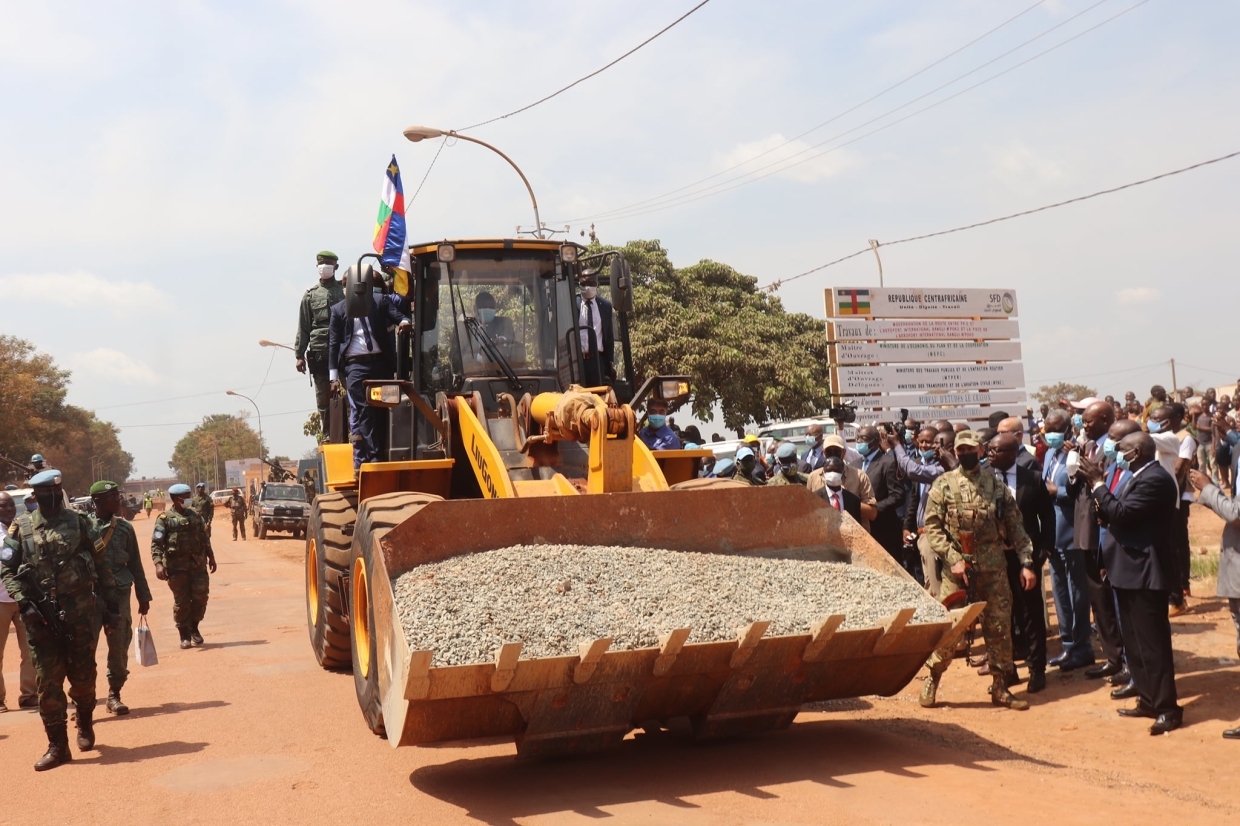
(725, 468)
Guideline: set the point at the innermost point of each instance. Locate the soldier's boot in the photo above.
(115, 706)
(57, 748)
(1000, 696)
(194, 635)
(86, 727)
(930, 690)
(186, 642)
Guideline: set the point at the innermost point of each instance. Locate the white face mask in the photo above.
(834, 479)
(588, 293)
(326, 271)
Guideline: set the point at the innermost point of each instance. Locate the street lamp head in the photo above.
(262, 342)
(231, 393)
(420, 133)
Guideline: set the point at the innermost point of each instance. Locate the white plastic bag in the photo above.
(144, 644)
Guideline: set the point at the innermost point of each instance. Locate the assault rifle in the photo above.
(968, 596)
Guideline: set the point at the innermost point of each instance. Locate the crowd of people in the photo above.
(1097, 491)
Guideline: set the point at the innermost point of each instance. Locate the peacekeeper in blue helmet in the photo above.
(786, 472)
(181, 551)
(54, 568)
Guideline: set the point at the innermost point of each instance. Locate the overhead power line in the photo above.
(199, 421)
(775, 285)
(1140, 369)
(782, 165)
(592, 74)
(190, 396)
(836, 116)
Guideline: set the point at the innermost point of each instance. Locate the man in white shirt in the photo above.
(595, 319)
(10, 615)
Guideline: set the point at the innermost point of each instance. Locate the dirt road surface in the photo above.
(249, 730)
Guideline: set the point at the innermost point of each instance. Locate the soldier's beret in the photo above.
(102, 487)
(179, 489)
(968, 437)
(724, 467)
(786, 452)
(328, 254)
(45, 478)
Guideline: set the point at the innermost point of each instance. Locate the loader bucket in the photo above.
(571, 704)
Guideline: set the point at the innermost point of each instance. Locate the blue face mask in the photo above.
(1109, 447)
(486, 315)
(1054, 440)
(1078, 421)
(810, 440)
(864, 448)
(1122, 461)
(1155, 426)
(927, 455)
(657, 420)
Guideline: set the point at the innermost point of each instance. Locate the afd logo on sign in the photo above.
(484, 470)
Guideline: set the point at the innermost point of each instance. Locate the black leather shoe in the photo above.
(1100, 671)
(1057, 659)
(1124, 677)
(1125, 693)
(1072, 665)
(1232, 734)
(1139, 711)
(1037, 682)
(1167, 721)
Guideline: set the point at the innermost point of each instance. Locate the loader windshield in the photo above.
(495, 316)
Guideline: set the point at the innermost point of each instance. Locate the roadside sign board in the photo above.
(915, 378)
(921, 302)
(1014, 400)
(869, 352)
(929, 329)
(929, 414)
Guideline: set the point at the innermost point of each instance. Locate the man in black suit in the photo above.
(598, 339)
(834, 493)
(363, 348)
(1024, 457)
(880, 466)
(1139, 560)
(1037, 512)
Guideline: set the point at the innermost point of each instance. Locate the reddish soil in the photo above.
(249, 730)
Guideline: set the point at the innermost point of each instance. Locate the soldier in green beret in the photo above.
(311, 343)
(118, 540)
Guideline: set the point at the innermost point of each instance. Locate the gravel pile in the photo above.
(553, 597)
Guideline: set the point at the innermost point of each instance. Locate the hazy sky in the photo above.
(169, 169)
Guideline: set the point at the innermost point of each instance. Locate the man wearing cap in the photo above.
(747, 469)
(855, 481)
(118, 540)
(181, 551)
(51, 565)
(786, 472)
(203, 505)
(312, 323)
(237, 506)
(970, 507)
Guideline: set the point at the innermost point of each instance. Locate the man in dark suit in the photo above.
(363, 348)
(598, 339)
(834, 492)
(1037, 512)
(1024, 456)
(880, 466)
(1139, 559)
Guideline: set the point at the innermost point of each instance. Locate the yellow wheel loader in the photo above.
(492, 442)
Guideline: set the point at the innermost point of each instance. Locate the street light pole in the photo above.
(419, 133)
(260, 419)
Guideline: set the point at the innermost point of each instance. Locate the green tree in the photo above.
(741, 348)
(201, 453)
(1052, 393)
(87, 450)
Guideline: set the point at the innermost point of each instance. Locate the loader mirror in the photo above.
(359, 279)
(621, 285)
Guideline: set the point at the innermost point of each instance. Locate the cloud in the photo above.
(113, 365)
(1020, 168)
(809, 168)
(83, 289)
(1139, 295)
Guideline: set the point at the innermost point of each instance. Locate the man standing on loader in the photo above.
(312, 321)
(971, 518)
(181, 551)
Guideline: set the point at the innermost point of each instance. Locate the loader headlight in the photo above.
(384, 395)
(673, 388)
(446, 253)
(568, 253)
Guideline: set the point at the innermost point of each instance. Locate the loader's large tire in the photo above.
(375, 517)
(328, 547)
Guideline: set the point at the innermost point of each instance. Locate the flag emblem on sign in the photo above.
(390, 241)
(853, 302)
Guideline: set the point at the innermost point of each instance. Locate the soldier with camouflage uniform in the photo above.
(120, 543)
(969, 501)
(236, 504)
(181, 551)
(51, 566)
(786, 472)
(203, 505)
(312, 329)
